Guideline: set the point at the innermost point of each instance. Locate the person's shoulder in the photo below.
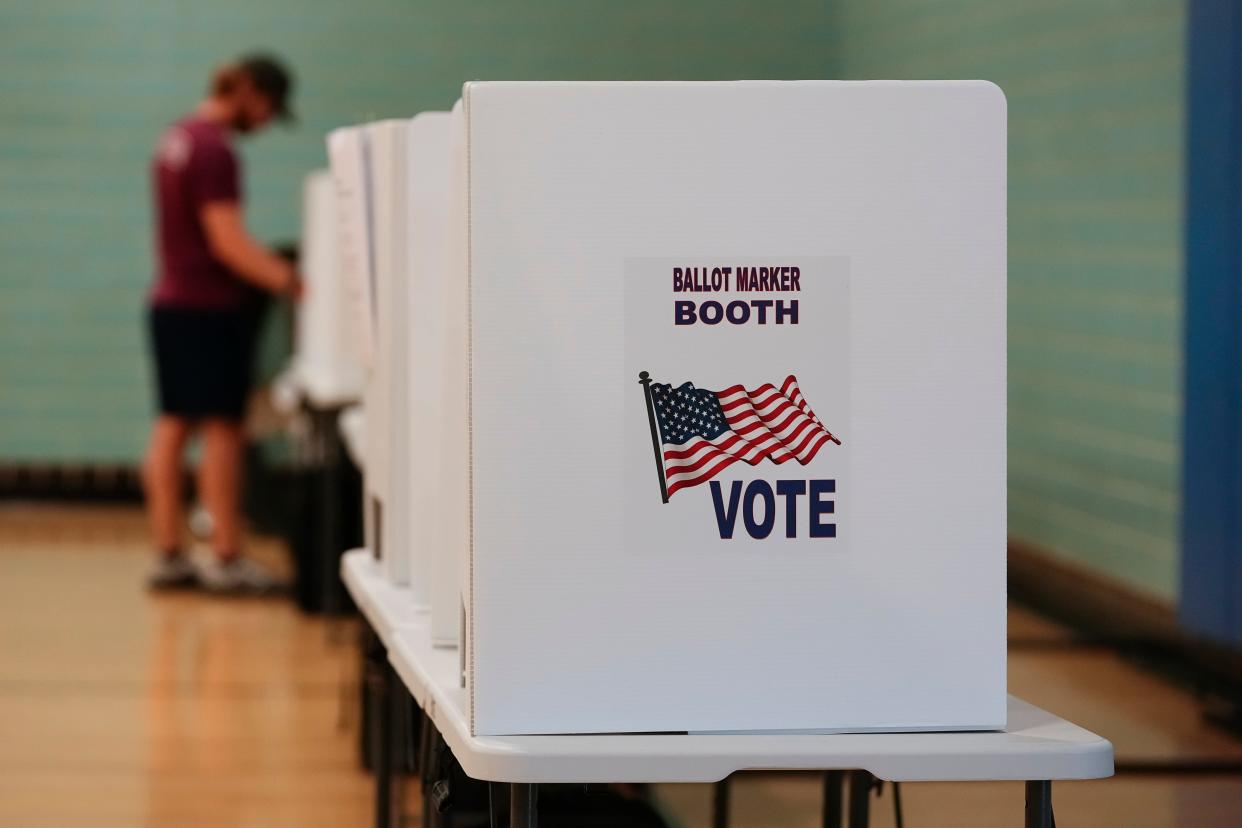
(175, 144)
(194, 142)
(204, 133)
(200, 140)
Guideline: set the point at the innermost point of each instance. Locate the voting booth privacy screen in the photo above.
(429, 183)
(350, 161)
(388, 144)
(735, 416)
(451, 534)
(327, 359)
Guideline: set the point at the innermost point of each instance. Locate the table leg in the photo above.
(523, 805)
(425, 748)
(1039, 804)
(834, 796)
(383, 758)
(860, 798)
(329, 473)
(495, 796)
(368, 737)
(720, 804)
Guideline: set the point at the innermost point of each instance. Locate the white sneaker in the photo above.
(237, 575)
(200, 523)
(174, 572)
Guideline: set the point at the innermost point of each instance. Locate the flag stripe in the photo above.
(693, 445)
(705, 476)
(784, 430)
(768, 422)
(705, 452)
(795, 394)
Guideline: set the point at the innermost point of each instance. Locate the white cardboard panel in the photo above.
(347, 155)
(327, 356)
(429, 185)
(596, 606)
(451, 534)
(389, 143)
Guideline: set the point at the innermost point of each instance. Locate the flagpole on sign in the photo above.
(644, 379)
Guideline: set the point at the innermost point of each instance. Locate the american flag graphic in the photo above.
(702, 432)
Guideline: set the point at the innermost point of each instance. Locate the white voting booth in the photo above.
(350, 163)
(735, 438)
(702, 401)
(401, 168)
(390, 190)
(327, 362)
(428, 137)
(451, 533)
(704, 429)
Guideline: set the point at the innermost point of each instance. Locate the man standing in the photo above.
(202, 334)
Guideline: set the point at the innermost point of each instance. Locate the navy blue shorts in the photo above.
(204, 360)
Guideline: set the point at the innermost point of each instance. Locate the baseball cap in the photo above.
(269, 76)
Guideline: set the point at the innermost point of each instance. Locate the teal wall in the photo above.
(1096, 105)
(85, 87)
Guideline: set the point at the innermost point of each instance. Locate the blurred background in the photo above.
(1125, 206)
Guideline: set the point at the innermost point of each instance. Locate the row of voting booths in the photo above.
(393, 186)
(683, 404)
(321, 390)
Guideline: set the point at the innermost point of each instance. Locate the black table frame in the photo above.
(524, 797)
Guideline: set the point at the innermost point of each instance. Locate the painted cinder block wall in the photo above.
(1096, 122)
(86, 86)
(1096, 117)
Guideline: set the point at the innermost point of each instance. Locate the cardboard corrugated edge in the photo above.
(468, 633)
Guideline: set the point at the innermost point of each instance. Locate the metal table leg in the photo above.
(1039, 804)
(330, 519)
(523, 805)
(720, 804)
(495, 797)
(834, 798)
(861, 783)
(383, 759)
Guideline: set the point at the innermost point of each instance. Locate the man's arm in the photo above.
(236, 248)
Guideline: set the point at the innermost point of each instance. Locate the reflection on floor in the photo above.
(118, 708)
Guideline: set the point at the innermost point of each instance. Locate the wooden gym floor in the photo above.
(119, 708)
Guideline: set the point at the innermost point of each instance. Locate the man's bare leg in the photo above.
(220, 482)
(220, 486)
(161, 478)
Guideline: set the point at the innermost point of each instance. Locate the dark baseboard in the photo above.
(265, 499)
(93, 483)
(1103, 612)
(1084, 599)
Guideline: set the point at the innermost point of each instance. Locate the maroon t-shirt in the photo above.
(194, 164)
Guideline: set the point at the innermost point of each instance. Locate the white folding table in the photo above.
(1036, 747)
(385, 606)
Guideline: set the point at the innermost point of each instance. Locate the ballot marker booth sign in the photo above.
(759, 435)
(736, 406)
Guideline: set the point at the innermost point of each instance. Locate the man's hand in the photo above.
(236, 248)
(296, 288)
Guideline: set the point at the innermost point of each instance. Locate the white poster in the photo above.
(738, 426)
